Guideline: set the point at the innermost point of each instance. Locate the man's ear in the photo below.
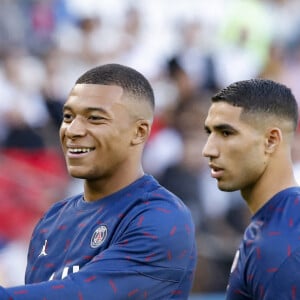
(273, 139)
(142, 132)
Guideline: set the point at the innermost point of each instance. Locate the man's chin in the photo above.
(74, 172)
(82, 175)
(225, 188)
(78, 176)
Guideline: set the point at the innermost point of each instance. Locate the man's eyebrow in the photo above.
(87, 109)
(220, 127)
(99, 109)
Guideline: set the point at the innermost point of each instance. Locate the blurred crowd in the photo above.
(187, 49)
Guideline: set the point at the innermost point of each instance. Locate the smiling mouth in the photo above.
(80, 150)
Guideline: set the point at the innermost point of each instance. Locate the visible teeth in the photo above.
(80, 150)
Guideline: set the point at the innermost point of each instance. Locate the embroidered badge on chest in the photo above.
(99, 236)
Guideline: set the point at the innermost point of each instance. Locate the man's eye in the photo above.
(207, 131)
(95, 118)
(67, 117)
(226, 133)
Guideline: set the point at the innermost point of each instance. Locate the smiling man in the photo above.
(251, 126)
(125, 236)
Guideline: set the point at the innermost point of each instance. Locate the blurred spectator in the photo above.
(13, 25)
(242, 26)
(183, 176)
(23, 110)
(290, 72)
(42, 26)
(195, 56)
(274, 65)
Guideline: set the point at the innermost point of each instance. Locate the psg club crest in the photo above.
(99, 236)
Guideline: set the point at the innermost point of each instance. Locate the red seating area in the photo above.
(30, 181)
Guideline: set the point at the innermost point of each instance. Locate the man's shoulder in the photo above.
(57, 206)
(163, 199)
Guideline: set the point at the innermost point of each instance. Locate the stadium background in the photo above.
(187, 49)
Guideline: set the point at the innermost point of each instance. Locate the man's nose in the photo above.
(75, 128)
(210, 149)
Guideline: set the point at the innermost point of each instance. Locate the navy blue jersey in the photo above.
(267, 264)
(138, 243)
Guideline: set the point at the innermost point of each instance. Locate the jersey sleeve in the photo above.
(285, 284)
(154, 258)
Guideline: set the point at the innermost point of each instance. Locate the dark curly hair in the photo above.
(132, 81)
(261, 96)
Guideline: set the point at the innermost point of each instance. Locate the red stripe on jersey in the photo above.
(294, 294)
(177, 292)
(258, 254)
(163, 210)
(113, 286)
(89, 279)
(58, 287)
(154, 237)
(272, 233)
(173, 230)
(132, 293)
(141, 219)
(272, 270)
(21, 292)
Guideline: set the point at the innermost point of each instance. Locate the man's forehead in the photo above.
(220, 110)
(222, 113)
(95, 90)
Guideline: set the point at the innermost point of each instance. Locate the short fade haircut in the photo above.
(132, 81)
(261, 96)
